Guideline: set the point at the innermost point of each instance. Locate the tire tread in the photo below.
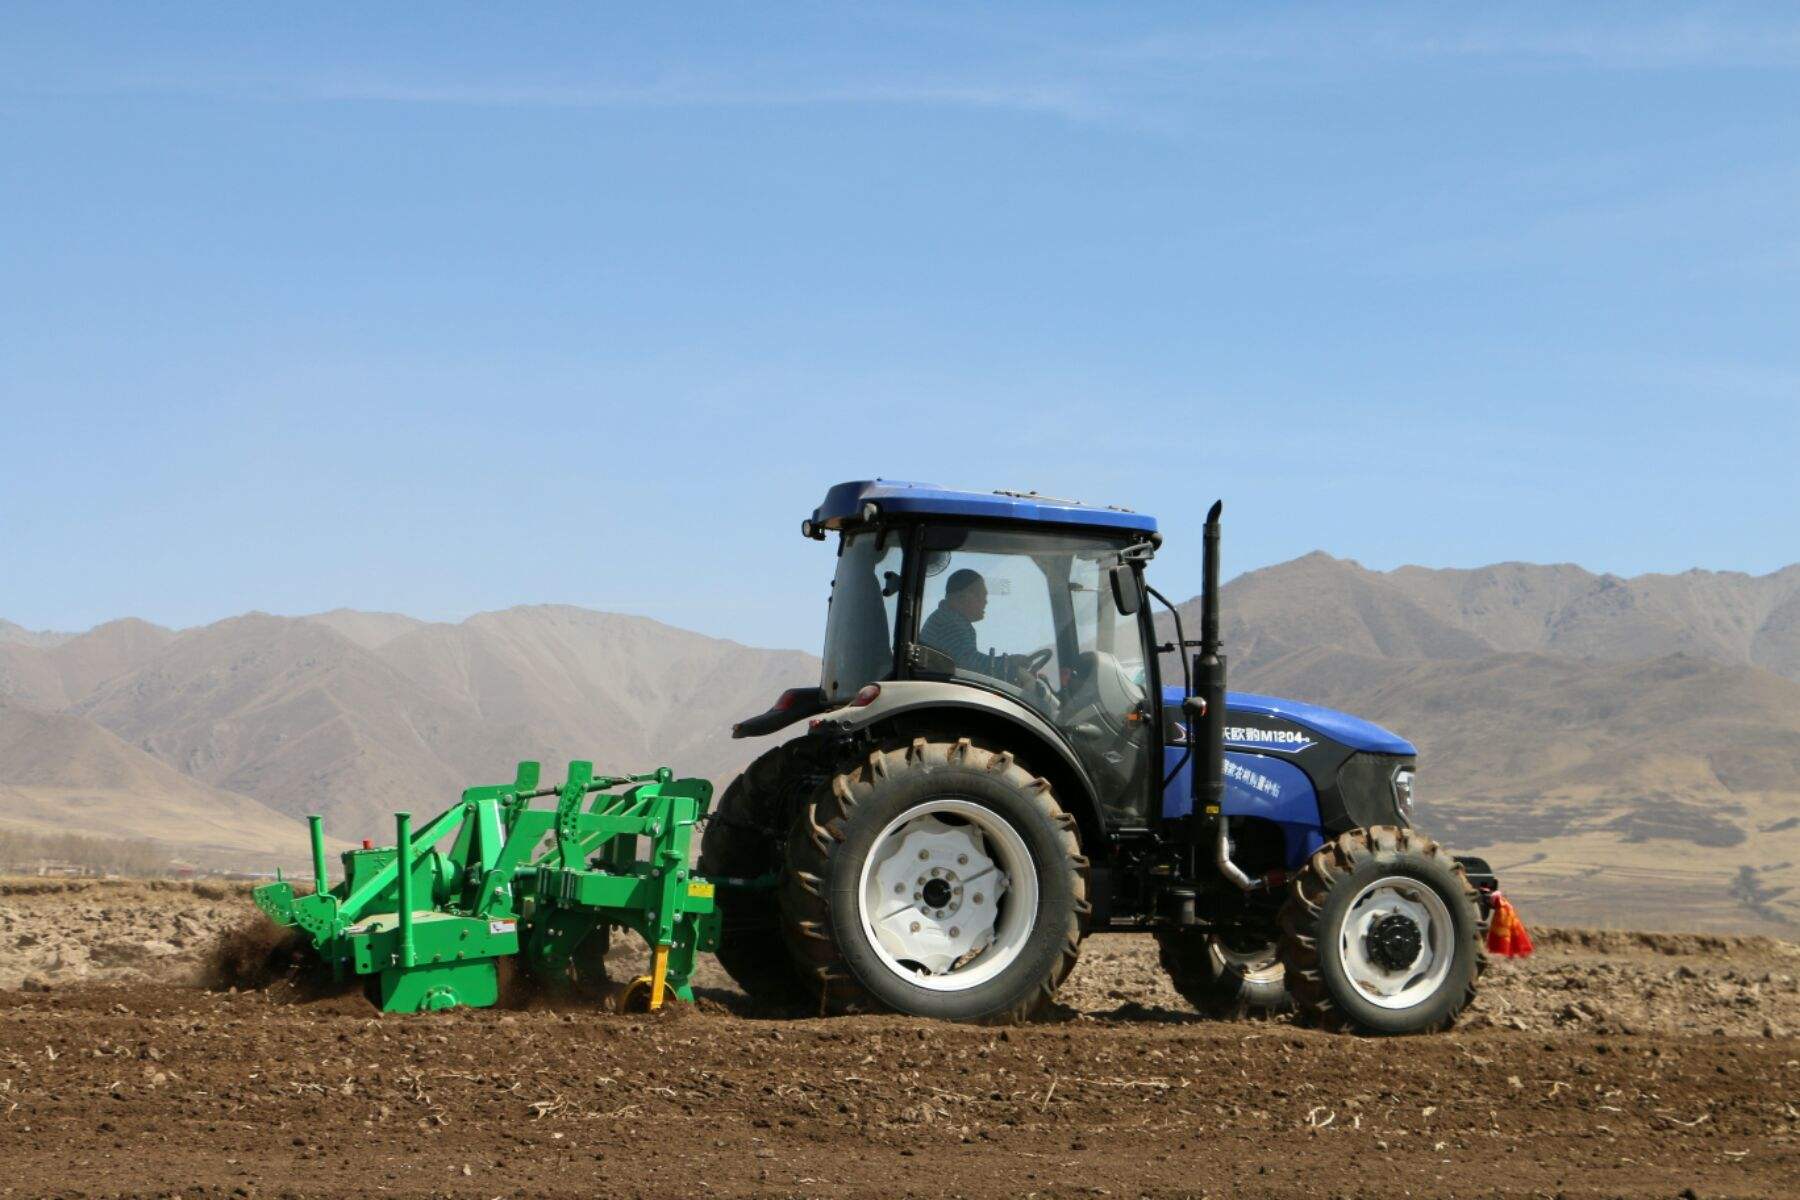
(818, 831)
(1332, 862)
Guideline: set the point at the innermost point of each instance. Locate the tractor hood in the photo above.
(1353, 733)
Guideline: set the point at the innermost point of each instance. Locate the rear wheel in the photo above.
(939, 879)
(1224, 976)
(1382, 934)
(743, 840)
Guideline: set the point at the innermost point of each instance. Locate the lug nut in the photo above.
(978, 897)
(915, 927)
(962, 860)
(899, 889)
(924, 855)
(955, 932)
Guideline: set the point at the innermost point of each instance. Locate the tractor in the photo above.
(1003, 755)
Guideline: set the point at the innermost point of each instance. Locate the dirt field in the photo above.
(1610, 1065)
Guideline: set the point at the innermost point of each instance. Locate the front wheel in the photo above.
(939, 879)
(1382, 934)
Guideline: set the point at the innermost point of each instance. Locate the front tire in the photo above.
(1382, 934)
(939, 879)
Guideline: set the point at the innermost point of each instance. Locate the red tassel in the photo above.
(1500, 928)
(1522, 946)
(1507, 935)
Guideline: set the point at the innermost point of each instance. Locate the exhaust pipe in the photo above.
(1206, 711)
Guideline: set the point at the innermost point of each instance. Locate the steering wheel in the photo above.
(1038, 691)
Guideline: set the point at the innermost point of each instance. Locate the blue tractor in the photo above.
(1003, 755)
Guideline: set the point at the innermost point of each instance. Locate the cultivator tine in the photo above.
(659, 971)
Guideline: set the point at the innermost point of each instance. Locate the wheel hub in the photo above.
(1394, 941)
(932, 896)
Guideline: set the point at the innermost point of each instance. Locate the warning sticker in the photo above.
(700, 889)
(502, 926)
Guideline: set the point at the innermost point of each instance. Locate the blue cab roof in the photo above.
(845, 502)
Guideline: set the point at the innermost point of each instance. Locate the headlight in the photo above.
(1403, 793)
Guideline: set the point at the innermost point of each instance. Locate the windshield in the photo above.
(1031, 613)
(859, 623)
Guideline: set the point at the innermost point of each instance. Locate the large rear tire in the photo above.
(1382, 934)
(939, 879)
(1222, 980)
(743, 840)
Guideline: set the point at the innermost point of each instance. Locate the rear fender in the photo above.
(790, 706)
(928, 707)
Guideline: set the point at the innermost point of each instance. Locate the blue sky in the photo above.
(441, 309)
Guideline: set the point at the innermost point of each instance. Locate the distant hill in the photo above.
(19, 635)
(354, 715)
(1415, 612)
(57, 672)
(1629, 746)
(61, 773)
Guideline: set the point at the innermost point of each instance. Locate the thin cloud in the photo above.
(1696, 40)
(1091, 72)
(1056, 100)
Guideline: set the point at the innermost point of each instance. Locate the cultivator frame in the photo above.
(429, 929)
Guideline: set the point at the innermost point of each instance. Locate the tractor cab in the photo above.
(1011, 597)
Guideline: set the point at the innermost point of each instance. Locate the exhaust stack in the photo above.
(1206, 710)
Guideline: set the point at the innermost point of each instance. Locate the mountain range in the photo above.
(355, 715)
(1627, 751)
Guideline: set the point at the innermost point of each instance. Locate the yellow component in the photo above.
(659, 968)
(700, 889)
(631, 997)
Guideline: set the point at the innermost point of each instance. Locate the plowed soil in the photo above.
(1609, 1065)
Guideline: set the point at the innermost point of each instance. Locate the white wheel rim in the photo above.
(1420, 979)
(948, 905)
(1260, 966)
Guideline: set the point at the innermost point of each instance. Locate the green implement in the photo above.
(428, 928)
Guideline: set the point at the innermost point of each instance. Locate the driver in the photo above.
(951, 628)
